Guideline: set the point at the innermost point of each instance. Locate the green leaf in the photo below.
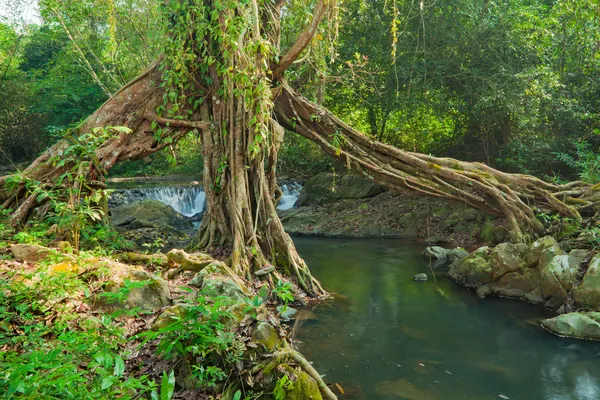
(167, 386)
(119, 366)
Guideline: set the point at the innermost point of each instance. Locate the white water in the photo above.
(291, 191)
(187, 200)
(191, 200)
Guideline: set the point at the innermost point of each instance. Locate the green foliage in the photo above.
(585, 161)
(200, 340)
(282, 387)
(49, 353)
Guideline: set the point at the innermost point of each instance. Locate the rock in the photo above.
(266, 335)
(517, 284)
(304, 388)
(587, 294)
(223, 286)
(559, 277)
(214, 268)
(153, 295)
(542, 251)
(456, 254)
(196, 217)
(422, 277)
(148, 214)
(169, 315)
(575, 325)
(483, 291)
(473, 270)
(326, 188)
(435, 253)
(30, 252)
(508, 257)
(286, 313)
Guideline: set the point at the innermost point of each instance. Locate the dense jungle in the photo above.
(300, 199)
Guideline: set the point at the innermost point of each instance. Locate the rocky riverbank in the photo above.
(541, 273)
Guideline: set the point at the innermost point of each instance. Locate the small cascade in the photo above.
(190, 200)
(291, 191)
(187, 200)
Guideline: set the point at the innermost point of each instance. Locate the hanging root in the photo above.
(514, 196)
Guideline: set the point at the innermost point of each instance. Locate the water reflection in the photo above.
(392, 338)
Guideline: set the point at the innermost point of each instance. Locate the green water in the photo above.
(391, 338)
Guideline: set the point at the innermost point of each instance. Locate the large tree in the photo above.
(222, 74)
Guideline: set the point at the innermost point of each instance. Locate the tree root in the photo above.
(513, 196)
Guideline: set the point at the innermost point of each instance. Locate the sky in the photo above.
(19, 12)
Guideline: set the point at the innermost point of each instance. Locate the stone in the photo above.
(30, 252)
(304, 388)
(148, 214)
(542, 251)
(457, 254)
(266, 335)
(559, 277)
(575, 325)
(473, 270)
(327, 188)
(422, 277)
(286, 313)
(435, 253)
(154, 295)
(587, 294)
(223, 286)
(214, 268)
(508, 257)
(169, 315)
(517, 284)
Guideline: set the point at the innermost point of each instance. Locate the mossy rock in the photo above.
(559, 277)
(575, 325)
(587, 294)
(508, 257)
(148, 214)
(304, 388)
(473, 270)
(327, 188)
(266, 335)
(542, 251)
(169, 315)
(223, 286)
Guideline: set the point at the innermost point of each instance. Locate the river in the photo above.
(392, 338)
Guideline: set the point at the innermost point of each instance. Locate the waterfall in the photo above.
(187, 200)
(291, 191)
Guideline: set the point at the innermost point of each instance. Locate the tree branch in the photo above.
(303, 40)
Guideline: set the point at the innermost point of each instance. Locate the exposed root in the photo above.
(513, 196)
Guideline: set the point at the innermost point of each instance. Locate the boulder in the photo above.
(148, 214)
(223, 286)
(587, 294)
(151, 294)
(169, 315)
(473, 270)
(435, 253)
(542, 251)
(30, 252)
(559, 277)
(266, 335)
(286, 313)
(508, 257)
(456, 254)
(304, 388)
(575, 325)
(327, 188)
